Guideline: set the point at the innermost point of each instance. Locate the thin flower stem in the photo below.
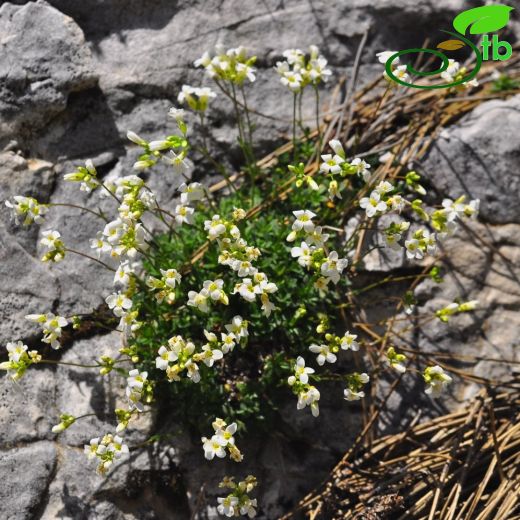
(53, 362)
(220, 168)
(85, 415)
(248, 119)
(82, 208)
(294, 127)
(113, 195)
(317, 92)
(90, 258)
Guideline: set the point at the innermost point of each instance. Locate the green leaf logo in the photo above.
(485, 19)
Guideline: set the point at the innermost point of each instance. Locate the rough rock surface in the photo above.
(27, 472)
(71, 92)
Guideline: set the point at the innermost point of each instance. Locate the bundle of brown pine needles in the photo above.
(458, 466)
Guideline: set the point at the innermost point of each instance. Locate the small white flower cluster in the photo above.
(106, 450)
(299, 70)
(308, 395)
(20, 359)
(238, 255)
(455, 308)
(183, 353)
(56, 248)
(28, 208)
(197, 98)
(238, 501)
(326, 352)
(455, 72)
(66, 420)
(176, 145)
(395, 360)
(311, 254)
(51, 325)
(212, 291)
(355, 382)
(86, 175)
(192, 192)
(336, 167)
(231, 65)
(164, 287)
(399, 71)
(138, 389)
(382, 199)
(222, 439)
(436, 380)
(443, 221)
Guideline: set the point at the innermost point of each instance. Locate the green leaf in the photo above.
(451, 45)
(485, 19)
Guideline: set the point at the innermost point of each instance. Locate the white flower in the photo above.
(301, 372)
(436, 380)
(384, 56)
(228, 342)
(303, 220)
(132, 136)
(373, 204)
(124, 273)
(91, 448)
(331, 164)
(211, 355)
(471, 209)
(400, 72)
(324, 354)
(183, 214)
(292, 80)
(214, 447)
(215, 227)
(214, 289)
(178, 114)
(362, 168)
(56, 248)
(452, 70)
(249, 508)
(171, 277)
(191, 192)
(135, 385)
(247, 289)
(199, 300)
(227, 506)
(309, 397)
(303, 253)
(351, 395)
(413, 250)
(178, 161)
(333, 267)
(348, 342)
(119, 303)
(51, 326)
(197, 98)
(322, 285)
(26, 207)
(99, 245)
(317, 237)
(238, 327)
(337, 147)
(16, 350)
(355, 382)
(227, 434)
(165, 357)
(453, 208)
